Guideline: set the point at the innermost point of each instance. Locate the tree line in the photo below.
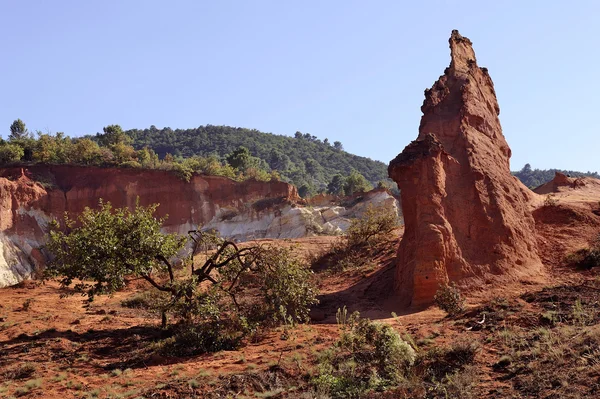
(533, 178)
(210, 150)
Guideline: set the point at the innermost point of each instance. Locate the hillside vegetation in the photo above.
(314, 166)
(533, 178)
(303, 159)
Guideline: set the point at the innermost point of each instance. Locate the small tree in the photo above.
(10, 153)
(113, 135)
(107, 245)
(336, 185)
(241, 159)
(356, 183)
(449, 299)
(18, 130)
(375, 224)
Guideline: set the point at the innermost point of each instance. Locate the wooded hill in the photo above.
(304, 160)
(533, 178)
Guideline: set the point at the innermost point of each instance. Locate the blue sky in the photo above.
(352, 71)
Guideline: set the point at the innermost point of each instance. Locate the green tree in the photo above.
(109, 244)
(336, 185)
(356, 183)
(99, 249)
(113, 135)
(10, 153)
(241, 159)
(279, 161)
(18, 130)
(306, 190)
(86, 152)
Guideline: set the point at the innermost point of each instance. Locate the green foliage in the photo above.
(356, 183)
(286, 285)
(10, 153)
(106, 245)
(113, 135)
(449, 299)
(533, 178)
(374, 226)
(301, 160)
(147, 300)
(367, 357)
(336, 185)
(18, 130)
(215, 304)
(242, 160)
(366, 237)
(236, 153)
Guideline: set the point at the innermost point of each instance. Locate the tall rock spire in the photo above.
(466, 217)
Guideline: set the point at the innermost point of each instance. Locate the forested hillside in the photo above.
(303, 159)
(313, 165)
(533, 178)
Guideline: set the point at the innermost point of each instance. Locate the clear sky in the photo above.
(352, 71)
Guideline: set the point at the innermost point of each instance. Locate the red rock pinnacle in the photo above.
(466, 217)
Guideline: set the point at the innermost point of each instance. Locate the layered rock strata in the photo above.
(32, 196)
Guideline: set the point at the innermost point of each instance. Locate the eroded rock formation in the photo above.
(562, 182)
(466, 216)
(30, 197)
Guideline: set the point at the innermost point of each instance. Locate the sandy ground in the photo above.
(78, 350)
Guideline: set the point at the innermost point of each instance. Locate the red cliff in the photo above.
(466, 216)
(33, 195)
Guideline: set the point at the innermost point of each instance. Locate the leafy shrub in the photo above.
(550, 200)
(368, 356)
(374, 226)
(449, 299)
(286, 285)
(214, 336)
(215, 305)
(364, 239)
(10, 153)
(130, 164)
(147, 300)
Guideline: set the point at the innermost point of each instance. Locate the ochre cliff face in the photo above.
(72, 188)
(31, 196)
(26, 206)
(466, 216)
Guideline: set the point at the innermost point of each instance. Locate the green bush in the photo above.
(286, 285)
(235, 291)
(449, 299)
(10, 153)
(374, 226)
(365, 238)
(147, 300)
(368, 357)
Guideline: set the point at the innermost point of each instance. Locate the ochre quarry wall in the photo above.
(31, 196)
(466, 217)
